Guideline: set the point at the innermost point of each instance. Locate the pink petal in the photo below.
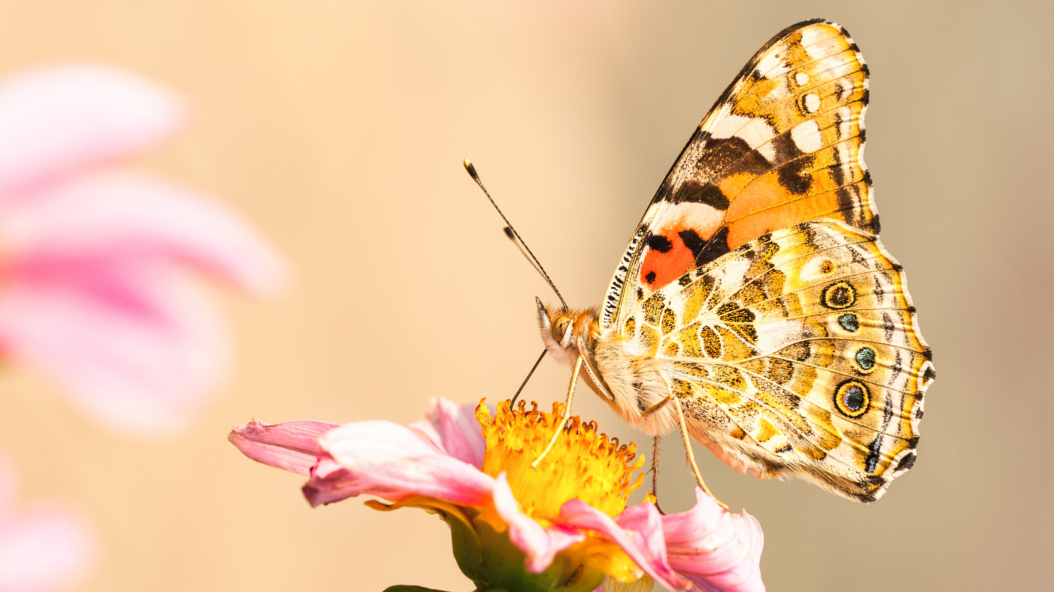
(639, 533)
(105, 255)
(59, 119)
(45, 548)
(141, 374)
(122, 221)
(540, 544)
(454, 428)
(331, 483)
(396, 462)
(715, 549)
(292, 446)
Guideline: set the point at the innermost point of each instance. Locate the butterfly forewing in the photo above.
(783, 145)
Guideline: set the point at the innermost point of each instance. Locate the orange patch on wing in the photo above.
(660, 268)
(764, 192)
(752, 226)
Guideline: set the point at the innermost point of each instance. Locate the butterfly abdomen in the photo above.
(636, 381)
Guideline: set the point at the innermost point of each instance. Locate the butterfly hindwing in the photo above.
(783, 145)
(796, 353)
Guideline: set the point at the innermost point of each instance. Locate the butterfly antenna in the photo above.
(512, 237)
(515, 237)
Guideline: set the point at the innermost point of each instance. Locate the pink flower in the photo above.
(94, 259)
(43, 547)
(567, 516)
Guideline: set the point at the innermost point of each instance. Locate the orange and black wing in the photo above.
(783, 144)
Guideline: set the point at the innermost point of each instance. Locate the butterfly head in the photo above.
(568, 333)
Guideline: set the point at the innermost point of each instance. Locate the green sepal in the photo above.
(466, 547)
(410, 589)
(504, 567)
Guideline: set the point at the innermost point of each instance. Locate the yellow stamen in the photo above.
(583, 464)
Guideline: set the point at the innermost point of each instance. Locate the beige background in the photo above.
(339, 127)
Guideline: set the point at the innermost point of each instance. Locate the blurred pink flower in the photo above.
(94, 260)
(568, 512)
(44, 546)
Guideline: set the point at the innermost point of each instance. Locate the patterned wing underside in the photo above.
(798, 353)
(783, 144)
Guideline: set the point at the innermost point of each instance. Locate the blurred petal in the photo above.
(147, 372)
(45, 548)
(105, 255)
(395, 462)
(292, 446)
(715, 549)
(540, 544)
(121, 221)
(59, 119)
(455, 429)
(639, 533)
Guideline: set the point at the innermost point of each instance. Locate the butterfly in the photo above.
(754, 305)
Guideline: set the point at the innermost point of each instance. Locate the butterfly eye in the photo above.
(560, 327)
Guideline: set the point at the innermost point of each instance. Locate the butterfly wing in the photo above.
(783, 144)
(797, 353)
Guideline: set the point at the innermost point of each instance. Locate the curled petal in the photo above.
(715, 549)
(331, 483)
(292, 446)
(455, 429)
(640, 535)
(57, 120)
(539, 543)
(396, 462)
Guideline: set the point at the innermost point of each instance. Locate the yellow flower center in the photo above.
(583, 464)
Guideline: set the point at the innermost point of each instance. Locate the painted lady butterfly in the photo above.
(755, 295)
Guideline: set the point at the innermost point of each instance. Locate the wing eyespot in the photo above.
(852, 398)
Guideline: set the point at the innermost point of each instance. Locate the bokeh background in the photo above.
(339, 129)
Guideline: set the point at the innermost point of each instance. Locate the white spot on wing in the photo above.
(758, 135)
(810, 40)
(812, 103)
(729, 126)
(806, 136)
(702, 218)
(801, 78)
(755, 132)
(773, 65)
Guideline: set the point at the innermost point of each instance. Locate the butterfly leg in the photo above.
(567, 410)
(691, 455)
(655, 452)
(655, 474)
(656, 406)
(655, 468)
